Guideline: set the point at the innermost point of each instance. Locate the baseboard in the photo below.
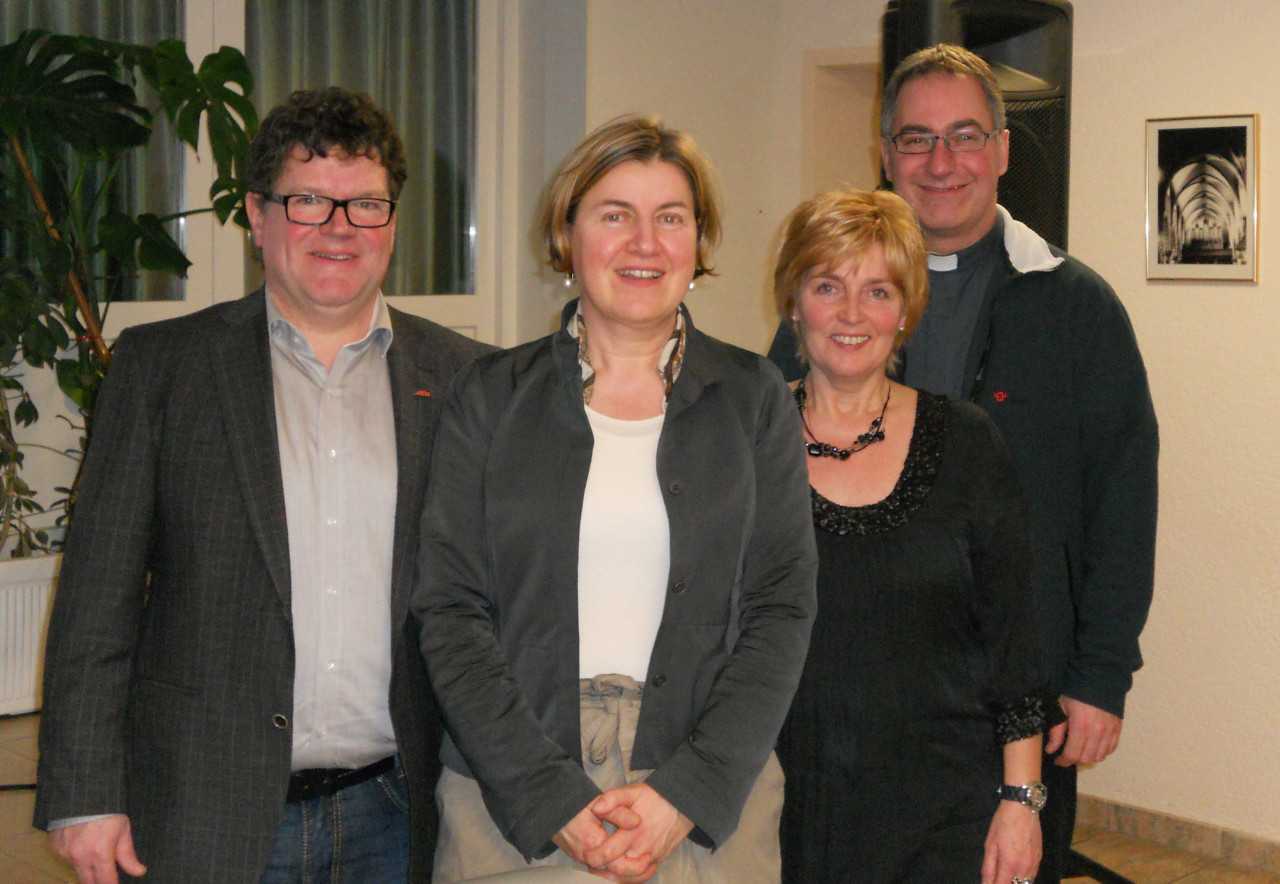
(1223, 845)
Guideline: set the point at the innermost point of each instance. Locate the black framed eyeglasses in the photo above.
(315, 211)
(960, 141)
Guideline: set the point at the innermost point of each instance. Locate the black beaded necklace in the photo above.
(874, 433)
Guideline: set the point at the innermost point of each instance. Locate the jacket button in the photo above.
(280, 721)
(679, 587)
(659, 680)
(675, 486)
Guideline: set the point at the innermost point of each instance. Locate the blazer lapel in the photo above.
(700, 370)
(418, 382)
(241, 357)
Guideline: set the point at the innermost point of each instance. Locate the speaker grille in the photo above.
(1034, 189)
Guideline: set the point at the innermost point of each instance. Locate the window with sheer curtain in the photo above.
(415, 58)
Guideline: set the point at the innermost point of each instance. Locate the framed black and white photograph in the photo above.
(1202, 198)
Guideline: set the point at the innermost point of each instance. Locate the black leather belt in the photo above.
(320, 781)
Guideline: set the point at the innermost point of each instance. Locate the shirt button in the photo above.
(679, 587)
(331, 590)
(332, 523)
(280, 721)
(330, 665)
(332, 453)
(659, 680)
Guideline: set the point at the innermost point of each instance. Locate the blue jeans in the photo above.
(359, 835)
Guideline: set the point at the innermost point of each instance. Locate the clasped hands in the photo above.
(646, 829)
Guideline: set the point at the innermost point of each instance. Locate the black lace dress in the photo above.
(925, 660)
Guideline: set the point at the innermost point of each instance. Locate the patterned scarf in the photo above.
(669, 362)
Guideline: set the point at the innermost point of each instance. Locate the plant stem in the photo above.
(77, 290)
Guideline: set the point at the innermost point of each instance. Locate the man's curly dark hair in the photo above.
(320, 121)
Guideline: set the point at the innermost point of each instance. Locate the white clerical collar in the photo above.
(943, 263)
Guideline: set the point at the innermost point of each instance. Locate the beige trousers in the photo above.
(470, 845)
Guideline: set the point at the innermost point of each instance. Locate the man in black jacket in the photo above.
(1042, 343)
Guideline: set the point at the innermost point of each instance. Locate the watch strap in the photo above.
(1031, 795)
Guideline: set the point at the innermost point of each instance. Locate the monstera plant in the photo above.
(70, 115)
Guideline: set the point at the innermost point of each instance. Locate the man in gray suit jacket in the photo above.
(229, 693)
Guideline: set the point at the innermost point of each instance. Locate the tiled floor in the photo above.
(25, 857)
(1145, 863)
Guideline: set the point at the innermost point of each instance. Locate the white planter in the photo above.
(26, 594)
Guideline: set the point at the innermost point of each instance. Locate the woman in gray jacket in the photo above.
(616, 582)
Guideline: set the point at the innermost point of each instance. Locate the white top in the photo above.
(624, 549)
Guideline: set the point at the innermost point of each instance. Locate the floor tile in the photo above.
(15, 766)
(16, 727)
(1217, 874)
(1140, 861)
(1083, 833)
(17, 872)
(33, 855)
(23, 746)
(15, 813)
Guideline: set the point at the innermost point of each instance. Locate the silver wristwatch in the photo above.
(1033, 795)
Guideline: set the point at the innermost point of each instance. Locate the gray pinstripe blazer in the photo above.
(169, 669)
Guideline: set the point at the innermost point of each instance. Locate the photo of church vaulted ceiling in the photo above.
(1203, 216)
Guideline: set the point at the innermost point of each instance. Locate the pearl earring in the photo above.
(692, 285)
(569, 280)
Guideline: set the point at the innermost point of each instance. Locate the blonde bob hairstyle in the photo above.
(633, 137)
(831, 228)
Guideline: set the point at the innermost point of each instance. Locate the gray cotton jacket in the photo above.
(496, 594)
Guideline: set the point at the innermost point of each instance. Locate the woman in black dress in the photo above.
(923, 692)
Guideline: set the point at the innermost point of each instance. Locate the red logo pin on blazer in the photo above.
(426, 394)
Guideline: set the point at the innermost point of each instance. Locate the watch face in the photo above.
(1038, 795)
(1032, 795)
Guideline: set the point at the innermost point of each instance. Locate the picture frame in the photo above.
(1202, 198)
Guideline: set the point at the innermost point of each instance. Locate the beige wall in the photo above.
(729, 72)
(1204, 716)
(1204, 719)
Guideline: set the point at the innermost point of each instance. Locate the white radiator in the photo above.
(26, 593)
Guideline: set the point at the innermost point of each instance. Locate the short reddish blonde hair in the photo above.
(831, 228)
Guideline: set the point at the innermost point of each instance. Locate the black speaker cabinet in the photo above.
(1028, 45)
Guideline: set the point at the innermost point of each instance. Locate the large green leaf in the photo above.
(118, 237)
(57, 89)
(157, 249)
(141, 242)
(25, 412)
(228, 195)
(78, 381)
